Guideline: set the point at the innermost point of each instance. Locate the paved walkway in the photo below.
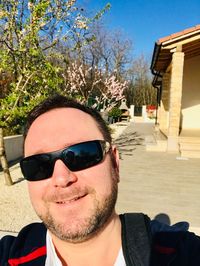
(155, 182)
(158, 182)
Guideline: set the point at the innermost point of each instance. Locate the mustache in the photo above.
(63, 194)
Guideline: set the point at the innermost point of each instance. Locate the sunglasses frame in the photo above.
(52, 157)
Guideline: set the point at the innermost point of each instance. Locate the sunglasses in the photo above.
(76, 157)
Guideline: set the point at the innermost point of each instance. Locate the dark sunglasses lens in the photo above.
(76, 157)
(83, 155)
(37, 167)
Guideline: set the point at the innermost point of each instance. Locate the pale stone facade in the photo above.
(176, 66)
(191, 94)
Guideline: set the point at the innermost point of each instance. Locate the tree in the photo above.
(93, 77)
(113, 90)
(99, 52)
(84, 82)
(29, 32)
(81, 80)
(140, 91)
(3, 160)
(121, 53)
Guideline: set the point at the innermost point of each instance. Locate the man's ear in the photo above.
(115, 160)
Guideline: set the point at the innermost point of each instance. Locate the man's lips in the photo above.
(68, 201)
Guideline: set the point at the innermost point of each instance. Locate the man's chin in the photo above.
(76, 231)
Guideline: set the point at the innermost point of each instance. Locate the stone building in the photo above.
(176, 69)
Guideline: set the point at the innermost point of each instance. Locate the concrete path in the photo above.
(158, 182)
(154, 182)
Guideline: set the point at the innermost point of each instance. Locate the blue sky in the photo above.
(146, 21)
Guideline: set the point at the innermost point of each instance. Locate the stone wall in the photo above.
(13, 147)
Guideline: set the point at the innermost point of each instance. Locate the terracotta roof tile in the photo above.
(178, 34)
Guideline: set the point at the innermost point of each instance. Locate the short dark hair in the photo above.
(60, 101)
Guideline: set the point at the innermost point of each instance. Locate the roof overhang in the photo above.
(188, 41)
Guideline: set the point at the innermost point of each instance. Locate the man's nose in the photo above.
(62, 176)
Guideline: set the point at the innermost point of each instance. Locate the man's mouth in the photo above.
(68, 201)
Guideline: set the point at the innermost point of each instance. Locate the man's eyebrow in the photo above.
(72, 143)
(66, 145)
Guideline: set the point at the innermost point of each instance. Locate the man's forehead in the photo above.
(73, 115)
(61, 127)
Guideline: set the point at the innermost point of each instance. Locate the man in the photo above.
(72, 170)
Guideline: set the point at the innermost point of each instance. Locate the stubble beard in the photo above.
(85, 228)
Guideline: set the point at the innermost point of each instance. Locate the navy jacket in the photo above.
(159, 246)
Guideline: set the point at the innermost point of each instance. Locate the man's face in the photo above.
(73, 205)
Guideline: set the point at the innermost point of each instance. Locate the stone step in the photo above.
(189, 140)
(189, 146)
(190, 154)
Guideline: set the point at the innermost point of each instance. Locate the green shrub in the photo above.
(115, 112)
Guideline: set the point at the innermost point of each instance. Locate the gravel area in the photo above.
(15, 208)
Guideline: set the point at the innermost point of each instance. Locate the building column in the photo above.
(175, 100)
(164, 105)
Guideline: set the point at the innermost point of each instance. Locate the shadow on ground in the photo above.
(127, 143)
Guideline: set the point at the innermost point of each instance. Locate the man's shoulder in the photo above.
(30, 232)
(176, 248)
(170, 244)
(26, 231)
(174, 245)
(30, 237)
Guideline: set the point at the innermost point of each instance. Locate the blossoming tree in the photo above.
(84, 82)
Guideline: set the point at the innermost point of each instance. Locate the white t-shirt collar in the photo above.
(53, 260)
